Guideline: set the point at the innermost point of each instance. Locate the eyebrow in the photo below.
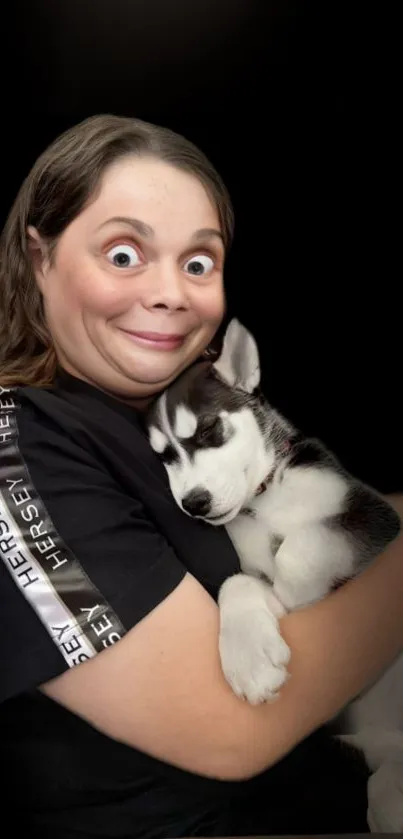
(147, 232)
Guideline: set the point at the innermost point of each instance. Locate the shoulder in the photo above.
(80, 560)
(92, 540)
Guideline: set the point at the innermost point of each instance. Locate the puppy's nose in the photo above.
(197, 502)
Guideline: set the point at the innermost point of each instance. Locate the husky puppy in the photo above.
(300, 523)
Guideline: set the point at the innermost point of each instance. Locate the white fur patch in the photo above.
(158, 440)
(185, 422)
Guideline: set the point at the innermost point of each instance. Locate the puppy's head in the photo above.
(217, 437)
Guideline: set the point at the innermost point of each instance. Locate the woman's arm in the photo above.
(161, 689)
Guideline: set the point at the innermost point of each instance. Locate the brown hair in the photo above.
(61, 183)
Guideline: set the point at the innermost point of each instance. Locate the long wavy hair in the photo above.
(64, 179)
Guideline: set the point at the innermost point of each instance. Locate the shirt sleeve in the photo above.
(80, 561)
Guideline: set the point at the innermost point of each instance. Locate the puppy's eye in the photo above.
(209, 424)
(210, 432)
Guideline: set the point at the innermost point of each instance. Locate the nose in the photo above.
(197, 502)
(167, 289)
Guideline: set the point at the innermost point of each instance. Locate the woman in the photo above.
(115, 717)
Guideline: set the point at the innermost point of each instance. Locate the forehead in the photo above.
(156, 193)
(201, 393)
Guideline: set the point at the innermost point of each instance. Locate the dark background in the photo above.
(297, 104)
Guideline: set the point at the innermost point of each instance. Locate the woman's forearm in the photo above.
(161, 688)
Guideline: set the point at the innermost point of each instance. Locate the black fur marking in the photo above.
(371, 522)
(169, 455)
(310, 452)
(209, 433)
(201, 390)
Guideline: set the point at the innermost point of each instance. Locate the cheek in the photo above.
(91, 294)
(210, 304)
(105, 299)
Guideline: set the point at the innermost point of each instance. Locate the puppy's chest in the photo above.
(252, 538)
(285, 506)
(258, 531)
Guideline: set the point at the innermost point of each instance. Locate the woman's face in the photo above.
(133, 292)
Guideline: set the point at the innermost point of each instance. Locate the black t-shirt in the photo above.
(90, 542)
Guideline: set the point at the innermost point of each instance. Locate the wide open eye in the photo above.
(199, 266)
(123, 256)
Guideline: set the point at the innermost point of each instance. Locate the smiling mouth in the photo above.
(155, 340)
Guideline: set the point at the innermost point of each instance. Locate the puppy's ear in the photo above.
(238, 364)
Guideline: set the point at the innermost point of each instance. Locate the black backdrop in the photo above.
(297, 104)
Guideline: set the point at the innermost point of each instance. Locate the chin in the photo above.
(152, 378)
(161, 370)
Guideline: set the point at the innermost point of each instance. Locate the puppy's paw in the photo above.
(254, 656)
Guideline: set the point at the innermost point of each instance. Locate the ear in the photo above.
(39, 252)
(238, 364)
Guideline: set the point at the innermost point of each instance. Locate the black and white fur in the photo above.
(300, 523)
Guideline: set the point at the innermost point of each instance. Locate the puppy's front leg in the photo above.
(254, 656)
(309, 561)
